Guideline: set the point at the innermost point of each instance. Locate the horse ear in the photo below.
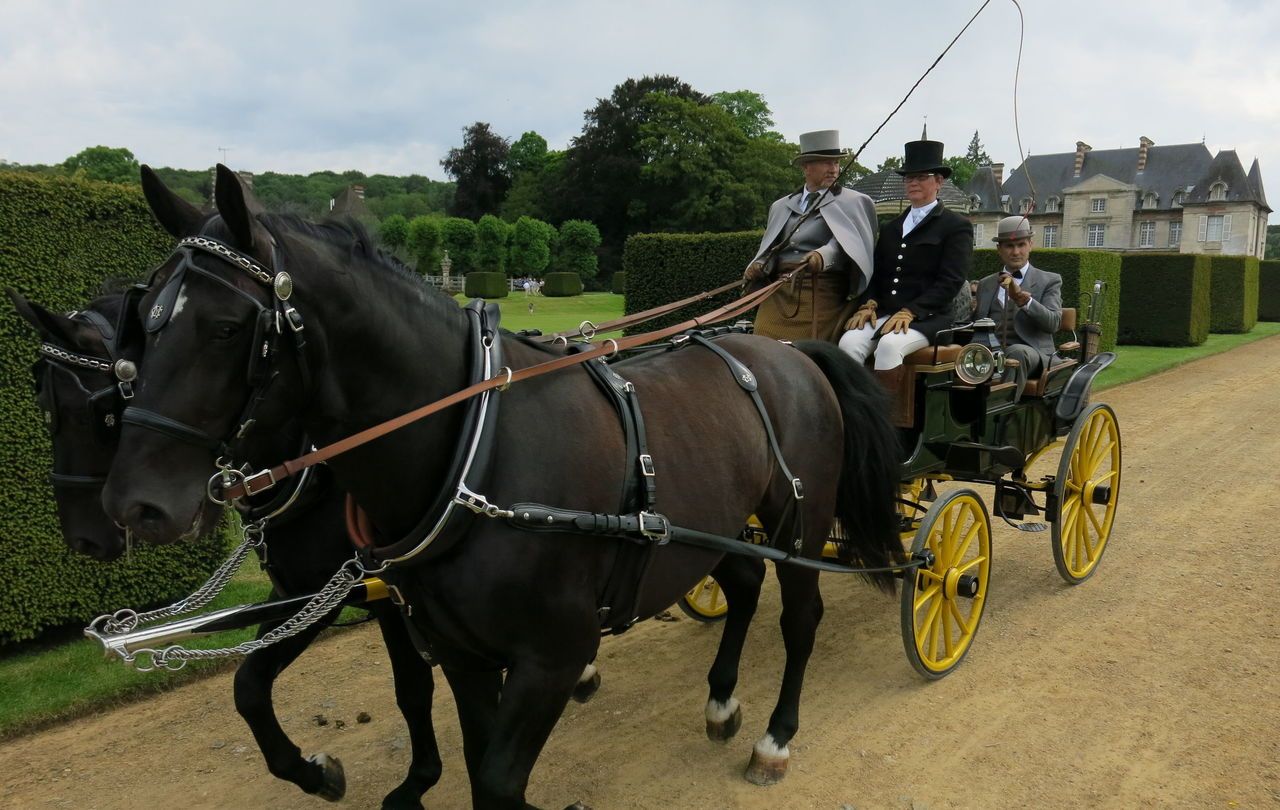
(57, 328)
(175, 215)
(239, 209)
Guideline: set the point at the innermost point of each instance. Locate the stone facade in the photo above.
(1175, 198)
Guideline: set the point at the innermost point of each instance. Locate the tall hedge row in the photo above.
(486, 285)
(1269, 291)
(665, 267)
(1233, 293)
(1079, 269)
(562, 285)
(59, 240)
(1165, 301)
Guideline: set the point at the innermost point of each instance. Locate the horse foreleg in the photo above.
(321, 775)
(588, 684)
(801, 612)
(414, 688)
(533, 698)
(740, 579)
(476, 693)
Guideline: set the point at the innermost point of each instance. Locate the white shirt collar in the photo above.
(922, 211)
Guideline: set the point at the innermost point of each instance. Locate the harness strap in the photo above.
(793, 517)
(133, 415)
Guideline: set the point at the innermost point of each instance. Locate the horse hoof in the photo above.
(401, 799)
(723, 720)
(334, 784)
(768, 763)
(587, 687)
(578, 805)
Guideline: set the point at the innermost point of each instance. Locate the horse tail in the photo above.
(866, 500)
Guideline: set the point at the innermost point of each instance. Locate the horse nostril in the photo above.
(151, 518)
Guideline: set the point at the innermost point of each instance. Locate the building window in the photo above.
(976, 202)
(1098, 205)
(1096, 235)
(978, 233)
(1025, 206)
(1146, 234)
(1150, 201)
(1218, 191)
(1178, 197)
(1175, 234)
(1215, 228)
(1051, 205)
(1051, 236)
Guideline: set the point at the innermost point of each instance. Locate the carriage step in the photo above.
(1031, 527)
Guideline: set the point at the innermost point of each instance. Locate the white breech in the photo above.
(890, 349)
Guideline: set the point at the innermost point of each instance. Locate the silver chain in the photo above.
(127, 620)
(240, 260)
(175, 657)
(81, 360)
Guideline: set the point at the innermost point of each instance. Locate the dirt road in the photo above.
(1151, 685)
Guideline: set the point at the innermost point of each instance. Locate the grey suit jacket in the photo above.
(851, 215)
(1035, 323)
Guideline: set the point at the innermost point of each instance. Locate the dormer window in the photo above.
(1218, 192)
(1026, 206)
(1004, 202)
(1178, 197)
(976, 201)
(1051, 205)
(1150, 201)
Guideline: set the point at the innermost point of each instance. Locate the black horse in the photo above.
(364, 341)
(80, 391)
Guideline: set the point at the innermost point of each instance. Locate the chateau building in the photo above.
(889, 192)
(1159, 198)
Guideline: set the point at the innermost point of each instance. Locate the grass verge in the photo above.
(1135, 362)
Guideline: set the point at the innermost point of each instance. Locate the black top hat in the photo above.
(924, 156)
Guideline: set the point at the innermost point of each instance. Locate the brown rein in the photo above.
(589, 329)
(264, 480)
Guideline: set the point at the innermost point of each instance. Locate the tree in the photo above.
(458, 236)
(394, 231)
(491, 243)
(893, 162)
(749, 111)
(111, 165)
(529, 154)
(479, 167)
(578, 242)
(976, 153)
(530, 248)
(962, 170)
(423, 241)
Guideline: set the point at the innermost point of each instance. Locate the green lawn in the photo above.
(556, 314)
(1135, 362)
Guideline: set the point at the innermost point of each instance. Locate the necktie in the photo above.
(809, 199)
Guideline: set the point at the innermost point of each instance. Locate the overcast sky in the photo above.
(389, 87)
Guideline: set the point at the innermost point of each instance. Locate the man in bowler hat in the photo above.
(922, 259)
(829, 254)
(1023, 300)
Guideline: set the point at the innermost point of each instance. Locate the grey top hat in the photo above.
(822, 144)
(1013, 227)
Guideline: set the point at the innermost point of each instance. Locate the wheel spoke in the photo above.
(967, 543)
(960, 620)
(946, 632)
(1097, 456)
(971, 564)
(1097, 527)
(929, 593)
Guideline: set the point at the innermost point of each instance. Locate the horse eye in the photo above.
(226, 330)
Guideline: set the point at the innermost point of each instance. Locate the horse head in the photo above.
(88, 361)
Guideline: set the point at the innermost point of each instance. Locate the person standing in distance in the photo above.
(830, 253)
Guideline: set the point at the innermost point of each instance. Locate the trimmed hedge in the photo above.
(1233, 294)
(562, 285)
(665, 267)
(59, 240)
(1269, 291)
(1079, 269)
(619, 283)
(1165, 299)
(486, 285)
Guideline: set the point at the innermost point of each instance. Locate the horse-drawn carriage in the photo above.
(962, 421)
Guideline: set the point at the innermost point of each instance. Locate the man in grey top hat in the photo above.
(1024, 301)
(830, 252)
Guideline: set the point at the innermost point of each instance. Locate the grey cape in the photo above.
(851, 216)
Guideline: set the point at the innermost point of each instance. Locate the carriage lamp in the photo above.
(976, 364)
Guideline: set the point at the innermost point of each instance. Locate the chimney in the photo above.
(1081, 148)
(1144, 143)
(997, 169)
(358, 191)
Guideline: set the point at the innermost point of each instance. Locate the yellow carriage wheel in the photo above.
(1086, 489)
(942, 604)
(705, 601)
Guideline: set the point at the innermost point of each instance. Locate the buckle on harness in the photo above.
(251, 484)
(294, 317)
(655, 527)
(646, 466)
(797, 487)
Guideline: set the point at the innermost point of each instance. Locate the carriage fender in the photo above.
(1075, 395)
